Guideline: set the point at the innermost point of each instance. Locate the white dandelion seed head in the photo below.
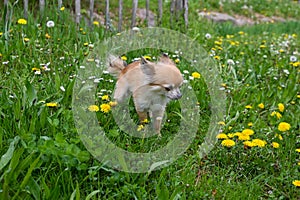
(136, 29)
(50, 24)
(293, 58)
(207, 36)
(230, 62)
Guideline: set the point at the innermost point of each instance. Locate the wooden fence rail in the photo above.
(178, 9)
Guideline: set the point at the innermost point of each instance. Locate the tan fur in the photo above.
(151, 84)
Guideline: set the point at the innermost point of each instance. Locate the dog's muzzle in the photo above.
(174, 95)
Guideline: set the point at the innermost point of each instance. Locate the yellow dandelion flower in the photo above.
(85, 44)
(232, 43)
(248, 106)
(62, 8)
(298, 163)
(47, 36)
(177, 60)
(262, 46)
(140, 127)
(259, 142)
(35, 69)
(221, 136)
(261, 106)
(241, 32)
(220, 48)
(105, 97)
(248, 132)
(22, 21)
(280, 107)
(145, 121)
(1, 33)
(278, 136)
(96, 23)
(237, 134)
(93, 108)
(105, 108)
(298, 96)
(298, 150)
(196, 75)
(51, 104)
(296, 64)
(217, 57)
(218, 42)
(147, 57)
(230, 135)
(221, 123)
(296, 183)
(112, 103)
(249, 144)
(26, 39)
(284, 126)
(275, 145)
(250, 124)
(278, 115)
(244, 137)
(124, 58)
(228, 143)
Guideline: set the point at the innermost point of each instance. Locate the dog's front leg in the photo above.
(157, 117)
(143, 116)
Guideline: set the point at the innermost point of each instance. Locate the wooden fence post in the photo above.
(186, 12)
(59, 4)
(42, 7)
(91, 13)
(77, 11)
(134, 8)
(107, 16)
(160, 11)
(172, 12)
(25, 9)
(120, 16)
(147, 12)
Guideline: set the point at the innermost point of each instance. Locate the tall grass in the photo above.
(44, 158)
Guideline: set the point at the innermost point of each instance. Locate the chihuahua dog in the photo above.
(152, 85)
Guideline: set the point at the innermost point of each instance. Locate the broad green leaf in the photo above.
(31, 93)
(9, 153)
(89, 196)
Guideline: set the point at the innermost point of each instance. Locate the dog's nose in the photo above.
(179, 96)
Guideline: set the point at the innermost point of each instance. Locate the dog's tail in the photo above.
(115, 65)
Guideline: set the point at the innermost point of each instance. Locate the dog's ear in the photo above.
(147, 67)
(164, 58)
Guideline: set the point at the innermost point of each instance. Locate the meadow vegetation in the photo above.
(257, 155)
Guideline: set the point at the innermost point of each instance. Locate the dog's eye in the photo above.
(167, 88)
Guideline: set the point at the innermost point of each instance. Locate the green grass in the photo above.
(45, 158)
